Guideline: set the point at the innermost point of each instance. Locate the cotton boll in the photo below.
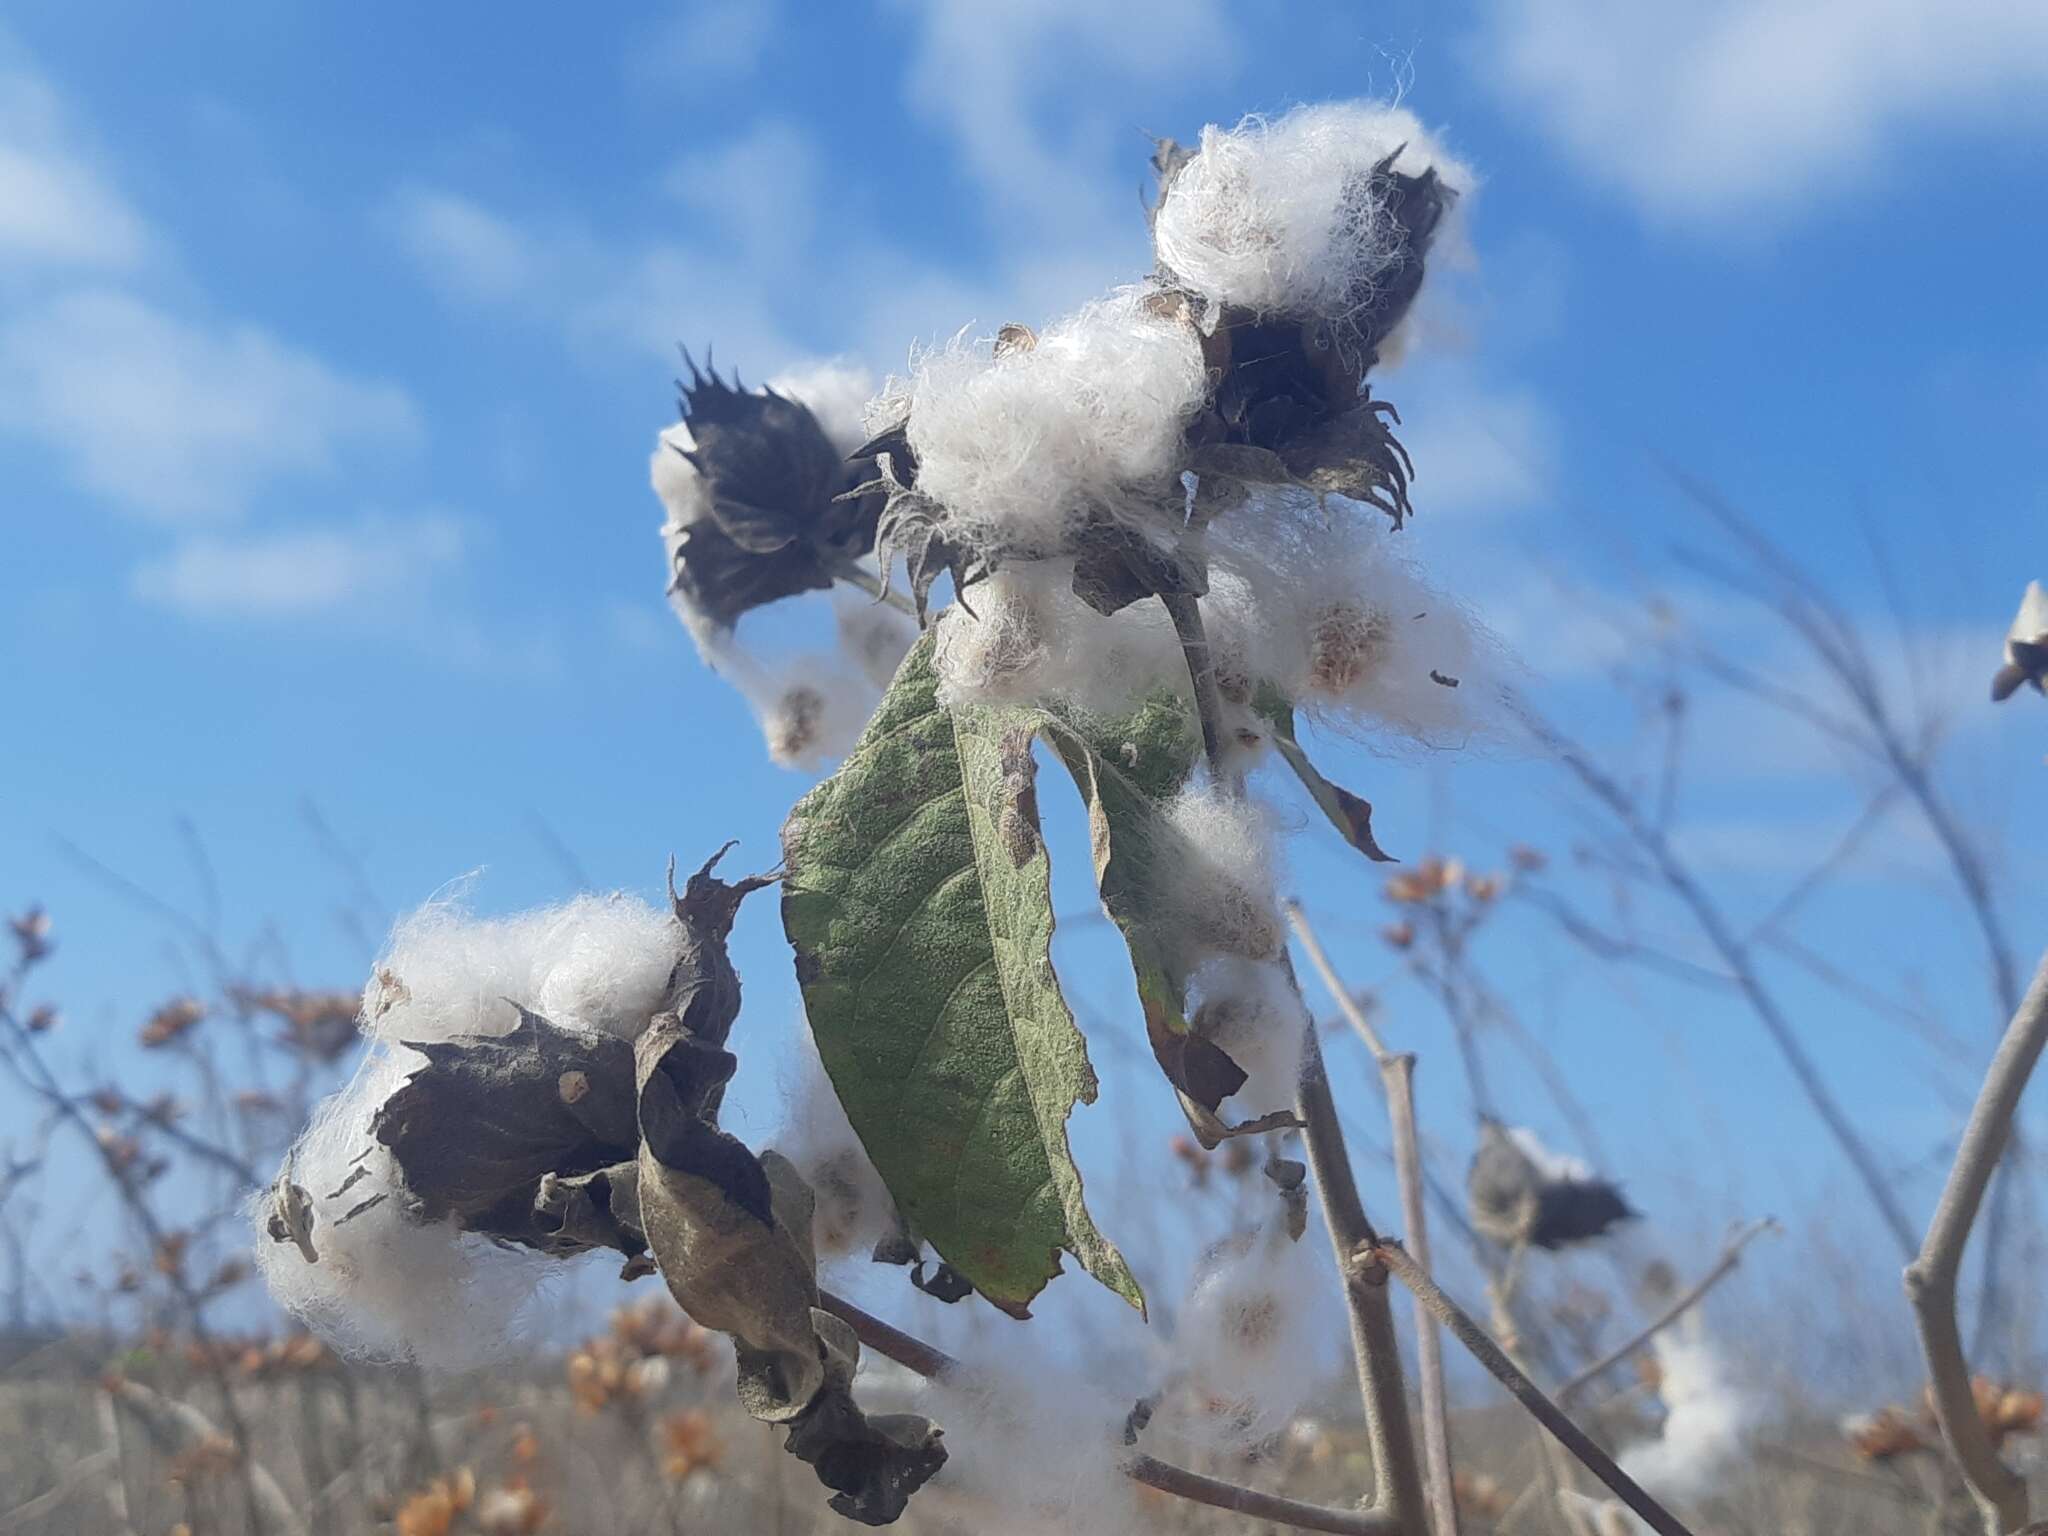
(1283, 216)
(599, 963)
(1042, 1446)
(1707, 1416)
(686, 500)
(1030, 639)
(836, 392)
(1252, 1011)
(386, 1286)
(1020, 445)
(854, 1209)
(1254, 1335)
(1215, 875)
(811, 709)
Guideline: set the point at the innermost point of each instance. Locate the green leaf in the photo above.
(1126, 769)
(1349, 814)
(918, 900)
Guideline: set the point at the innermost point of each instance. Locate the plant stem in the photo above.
(2001, 1494)
(1731, 1255)
(1397, 1077)
(933, 1363)
(1389, 1256)
(1186, 613)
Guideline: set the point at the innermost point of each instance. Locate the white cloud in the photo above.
(178, 421)
(1729, 110)
(761, 188)
(462, 248)
(703, 43)
(56, 208)
(1001, 75)
(291, 573)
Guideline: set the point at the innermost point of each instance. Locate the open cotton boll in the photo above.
(1021, 444)
(836, 392)
(1319, 601)
(598, 963)
(1215, 875)
(1030, 638)
(854, 1210)
(1283, 216)
(1251, 1010)
(811, 708)
(1037, 1443)
(1707, 1416)
(387, 1286)
(1254, 1334)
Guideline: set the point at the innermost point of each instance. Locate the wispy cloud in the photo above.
(57, 207)
(1721, 114)
(368, 568)
(179, 421)
(705, 42)
(464, 249)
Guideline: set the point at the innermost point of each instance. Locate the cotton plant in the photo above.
(1140, 543)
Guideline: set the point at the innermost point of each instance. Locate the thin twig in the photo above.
(1731, 1255)
(1391, 1257)
(1397, 1076)
(1931, 1277)
(933, 1363)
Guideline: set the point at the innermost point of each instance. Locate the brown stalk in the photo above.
(2000, 1492)
(1389, 1256)
(1397, 1077)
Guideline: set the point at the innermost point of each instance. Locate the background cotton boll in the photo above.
(811, 709)
(599, 963)
(854, 1209)
(387, 1287)
(1277, 215)
(1019, 446)
(1039, 1444)
(873, 636)
(836, 392)
(1707, 1415)
(1250, 1008)
(1254, 1333)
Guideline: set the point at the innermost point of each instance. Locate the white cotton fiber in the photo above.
(873, 637)
(687, 501)
(1707, 1415)
(599, 963)
(1019, 444)
(833, 390)
(854, 1210)
(1039, 1446)
(1320, 600)
(1278, 215)
(1259, 1331)
(1216, 872)
(1251, 1009)
(1030, 638)
(1553, 1167)
(387, 1287)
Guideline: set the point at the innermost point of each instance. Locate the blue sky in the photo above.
(333, 343)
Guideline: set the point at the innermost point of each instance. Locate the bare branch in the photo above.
(1731, 1255)
(1389, 1256)
(1931, 1277)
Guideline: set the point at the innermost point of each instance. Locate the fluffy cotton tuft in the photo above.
(873, 637)
(1279, 216)
(1037, 1443)
(854, 1209)
(598, 963)
(836, 392)
(687, 500)
(1254, 1333)
(1320, 601)
(1707, 1415)
(1216, 875)
(388, 1287)
(1553, 1166)
(1030, 638)
(1253, 1012)
(1020, 444)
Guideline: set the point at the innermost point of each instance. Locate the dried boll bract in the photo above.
(836, 392)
